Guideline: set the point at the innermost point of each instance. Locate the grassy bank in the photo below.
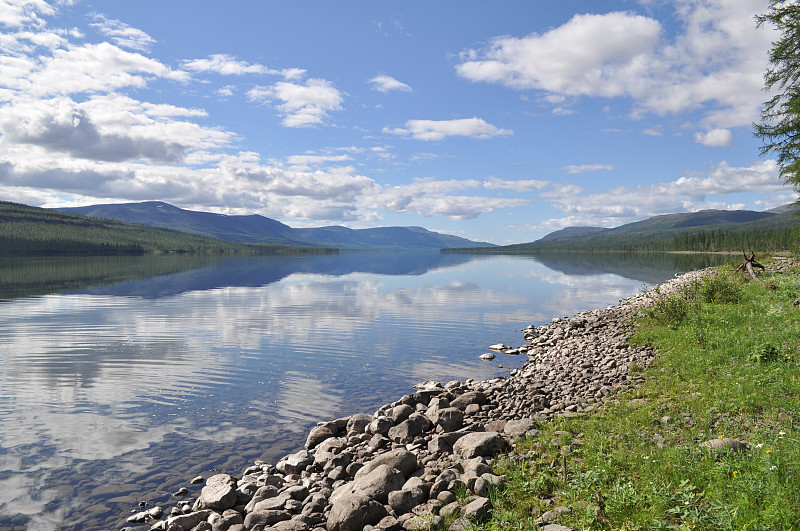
(727, 369)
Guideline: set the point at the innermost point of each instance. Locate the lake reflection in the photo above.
(118, 388)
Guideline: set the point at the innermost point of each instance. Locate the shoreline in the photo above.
(426, 456)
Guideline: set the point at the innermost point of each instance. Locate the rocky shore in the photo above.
(426, 458)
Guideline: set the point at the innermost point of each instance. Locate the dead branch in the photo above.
(749, 266)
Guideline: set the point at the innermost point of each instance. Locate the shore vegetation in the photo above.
(727, 369)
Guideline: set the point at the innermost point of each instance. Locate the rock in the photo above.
(552, 515)
(408, 429)
(519, 427)
(487, 444)
(478, 509)
(353, 513)
(400, 459)
(450, 419)
(265, 518)
(377, 484)
(468, 398)
(317, 435)
(401, 413)
(402, 501)
(460, 524)
(358, 423)
(488, 356)
(218, 494)
(185, 522)
(379, 425)
(726, 443)
(555, 527)
(295, 463)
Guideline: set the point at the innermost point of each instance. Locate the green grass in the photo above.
(727, 367)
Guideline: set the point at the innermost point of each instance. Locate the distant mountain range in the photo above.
(260, 229)
(706, 230)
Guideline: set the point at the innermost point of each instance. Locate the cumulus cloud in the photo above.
(589, 55)
(383, 83)
(302, 105)
(122, 34)
(439, 129)
(715, 138)
(715, 64)
(584, 168)
(623, 204)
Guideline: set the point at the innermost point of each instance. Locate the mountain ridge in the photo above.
(255, 228)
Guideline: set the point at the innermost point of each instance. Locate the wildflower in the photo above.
(720, 436)
(759, 445)
(781, 433)
(735, 473)
(769, 451)
(773, 467)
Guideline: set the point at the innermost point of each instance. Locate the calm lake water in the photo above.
(123, 378)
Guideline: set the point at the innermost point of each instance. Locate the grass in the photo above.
(727, 368)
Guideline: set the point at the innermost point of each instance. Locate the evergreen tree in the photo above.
(780, 119)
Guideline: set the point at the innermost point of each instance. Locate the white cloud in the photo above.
(305, 162)
(715, 64)
(623, 204)
(383, 83)
(95, 68)
(123, 34)
(303, 105)
(715, 138)
(226, 65)
(584, 168)
(19, 13)
(440, 129)
(589, 55)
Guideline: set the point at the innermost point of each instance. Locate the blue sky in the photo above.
(496, 121)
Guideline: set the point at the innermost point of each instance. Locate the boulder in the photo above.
(402, 501)
(218, 494)
(353, 513)
(318, 434)
(400, 459)
(478, 510)
(358, 422)
(405, 432)
(376, 484)
(486, 444)
(265, 518)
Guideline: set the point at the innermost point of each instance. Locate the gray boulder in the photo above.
(408, 429)
(401, 459)
(376, 484)
(485, 443)
(218, 494)
(353, 513)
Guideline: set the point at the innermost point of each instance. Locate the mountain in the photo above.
(706, 230)
(571, 232)
(260, 229)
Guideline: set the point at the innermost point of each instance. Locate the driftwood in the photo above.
(749, 266)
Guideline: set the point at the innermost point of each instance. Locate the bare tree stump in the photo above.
(749, 266)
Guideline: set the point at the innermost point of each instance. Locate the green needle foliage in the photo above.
(780, 125)
(727, 367)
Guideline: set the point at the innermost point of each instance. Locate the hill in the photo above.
(706, 230)
(260, 229)
(32, 230)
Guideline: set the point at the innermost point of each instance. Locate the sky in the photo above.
(495, 121)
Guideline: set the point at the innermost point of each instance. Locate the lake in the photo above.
(121, 378)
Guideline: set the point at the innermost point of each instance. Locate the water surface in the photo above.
(123, 378)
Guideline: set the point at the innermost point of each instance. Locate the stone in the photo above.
(402, 501)
(552, 515)
(478, 509)
(218, 494)
(317, 435)
(405, 432)
(401, 459)
(358, 423)
(353, 513)
(519, 427)
(401, 413)
(295, 463)
(487, 444)
(726, 443)
(487, 356)
(377, 484)
(185, 522)
(265, 518)
(469, 398)
(450, 419)
(379, 425)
